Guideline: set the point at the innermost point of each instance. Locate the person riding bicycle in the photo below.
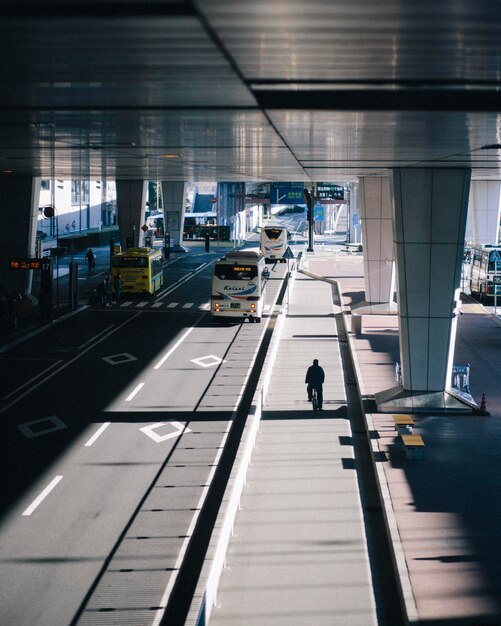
(315, 379)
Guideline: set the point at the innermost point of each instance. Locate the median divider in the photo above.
(205, 596)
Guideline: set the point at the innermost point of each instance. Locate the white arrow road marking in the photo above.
(54, 423)
(39, 499)
(208, 361)
(150, 431)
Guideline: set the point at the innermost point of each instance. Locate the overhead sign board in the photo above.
(287, 193)
(330, 191)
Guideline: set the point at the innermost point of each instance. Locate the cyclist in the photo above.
(315, 379)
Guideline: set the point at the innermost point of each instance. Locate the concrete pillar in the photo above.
(19, 197)
(430, 220)
(482, 225)
(131, 208)
(174, 200)
(376, 212)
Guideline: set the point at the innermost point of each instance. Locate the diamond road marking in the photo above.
(208, 361)
(150, 431)
(54, 424)
(119, 359)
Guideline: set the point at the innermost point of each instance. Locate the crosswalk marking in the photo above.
(141, 304)
(172, 305)
(188, 305)
(205, 306)
(128, 303)
(155, 305)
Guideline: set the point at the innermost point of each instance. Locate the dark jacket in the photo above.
(315, 375)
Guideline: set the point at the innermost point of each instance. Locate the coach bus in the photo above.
(273, 242)
(485, 272)
(238, 286)
(140, 269)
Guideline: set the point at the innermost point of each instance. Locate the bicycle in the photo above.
(314, 401)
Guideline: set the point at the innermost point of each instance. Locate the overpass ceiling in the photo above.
(248, 90)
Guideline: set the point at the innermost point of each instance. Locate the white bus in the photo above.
(273, 242)
(238, 286)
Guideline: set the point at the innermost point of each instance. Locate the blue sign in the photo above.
(288, 254)
(318, 213)
(287, 193)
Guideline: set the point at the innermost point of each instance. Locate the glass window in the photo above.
(273, 233)
(235, 272)
(121, 261)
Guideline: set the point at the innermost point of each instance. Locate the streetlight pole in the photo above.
(309, 204)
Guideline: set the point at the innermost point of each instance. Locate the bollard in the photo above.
(482, 403)
(482, 410)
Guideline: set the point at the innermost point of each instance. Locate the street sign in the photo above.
(288, 254)
(329, 190)
(318, 213)
(287, 193)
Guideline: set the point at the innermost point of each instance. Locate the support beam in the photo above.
(131, 208)
(174, 201)
(376, 212)
(430, 220)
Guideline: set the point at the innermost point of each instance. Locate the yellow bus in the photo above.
(140, 270)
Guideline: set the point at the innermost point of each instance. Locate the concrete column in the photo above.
(482, 225)
(19, 197)
(430, 220)
(173, 198)
(377, 235)
(131, 208)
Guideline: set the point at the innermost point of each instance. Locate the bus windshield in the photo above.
(273, 233)
(235, 272)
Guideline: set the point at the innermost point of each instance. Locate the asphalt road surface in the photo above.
(113, 424)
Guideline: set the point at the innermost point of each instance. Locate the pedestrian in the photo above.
(73, 225)
(68, 228)
(91, 259)
(108, 296)
(315, 377)
(117, 283)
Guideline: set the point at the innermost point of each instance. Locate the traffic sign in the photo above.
(318, 213)
(329, 190)
(287, 193)
(288, 254)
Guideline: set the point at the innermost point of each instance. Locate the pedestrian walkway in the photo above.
(299, 553)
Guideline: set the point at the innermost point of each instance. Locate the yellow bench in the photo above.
(413, 445)
(403, 424)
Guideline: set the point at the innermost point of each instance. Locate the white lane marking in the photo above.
(183, 280)
(40, 498)
(150, 431)
(30, 381)
(67, 363)
(180, 557)
(141, 304)
(131, 395)
(188, 305)
(177, 344)
(155, 305)
(172, 305)
(98, 432)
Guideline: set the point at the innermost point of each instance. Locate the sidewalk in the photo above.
(446, 507)
(299, 553)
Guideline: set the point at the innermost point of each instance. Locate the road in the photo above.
(113, 424)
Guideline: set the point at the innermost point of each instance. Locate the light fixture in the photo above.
(170, 156)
